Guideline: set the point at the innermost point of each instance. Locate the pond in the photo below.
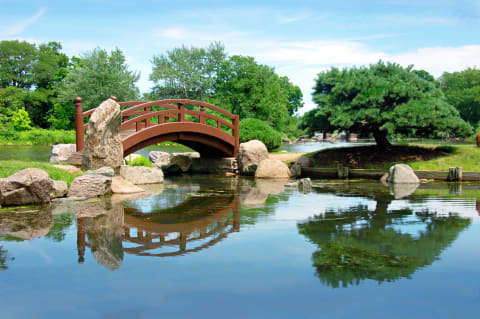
(213, 246)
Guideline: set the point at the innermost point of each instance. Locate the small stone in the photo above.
(141, 174)
(104, 171)
(270, 168)
(122, 186)
(159, 158)
(61, 152)
(60, 189)
(90, 185)
(402, 174)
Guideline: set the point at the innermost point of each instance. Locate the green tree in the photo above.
(314, 121)
(462, 90)
(385, 99)
(187, 72)
(51, 66)
(254, 90)
(97, 76)
(17, 61)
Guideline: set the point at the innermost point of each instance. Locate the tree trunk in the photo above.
(381, 139)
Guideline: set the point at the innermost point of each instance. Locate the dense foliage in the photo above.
(462, 90)
(253, 90)
(383, 99)
(238, 84)
(253, 129)
(97, 76)
(187, 72)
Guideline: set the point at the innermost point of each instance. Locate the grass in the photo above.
(466, 156)
(9, 167)
(36, 136)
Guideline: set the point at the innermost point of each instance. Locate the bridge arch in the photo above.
(206, 128)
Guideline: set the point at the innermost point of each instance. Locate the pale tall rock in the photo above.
(103, 144)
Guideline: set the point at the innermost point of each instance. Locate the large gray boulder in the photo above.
(141, 174)
(91, 184)
(159, 158)
(271, 168)
(250, 154)
(402, 174)
(28, 186)
(61, 152)
(103, 145)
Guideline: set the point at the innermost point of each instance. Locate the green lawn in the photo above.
(9, 167)
(466, 156)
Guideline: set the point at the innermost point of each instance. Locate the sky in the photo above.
(298, 38)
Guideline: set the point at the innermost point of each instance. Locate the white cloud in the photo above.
(21, 25)
(437, 60)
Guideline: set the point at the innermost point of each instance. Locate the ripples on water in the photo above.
(246, 249)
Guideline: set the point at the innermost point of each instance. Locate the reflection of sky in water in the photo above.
(267, 261)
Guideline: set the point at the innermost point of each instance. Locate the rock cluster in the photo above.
(250, 154)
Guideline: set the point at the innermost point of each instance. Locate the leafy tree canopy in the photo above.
(187, 72)
(462, 90)
(383, 99)
(97, 76)
(253, 90)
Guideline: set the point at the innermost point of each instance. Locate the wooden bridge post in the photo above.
(181, 112)
(79, 124)
(201, 119)
(236, 133)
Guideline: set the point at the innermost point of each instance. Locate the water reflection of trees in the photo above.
(357, 244)
(4, 258)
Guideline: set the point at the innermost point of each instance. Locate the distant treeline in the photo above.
(38, 84)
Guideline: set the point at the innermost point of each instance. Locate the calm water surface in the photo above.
(221, 247)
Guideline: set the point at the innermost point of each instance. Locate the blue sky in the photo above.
(298, 38)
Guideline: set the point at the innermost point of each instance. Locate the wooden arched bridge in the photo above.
(206, 128)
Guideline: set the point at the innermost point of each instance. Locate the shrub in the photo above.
(139, 161)
(253, 129)
(21, 120)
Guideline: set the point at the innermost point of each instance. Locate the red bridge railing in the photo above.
(141, 114)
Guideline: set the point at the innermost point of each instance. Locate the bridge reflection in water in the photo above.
(201, 221)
